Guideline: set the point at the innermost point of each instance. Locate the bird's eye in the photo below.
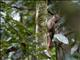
(56, 21)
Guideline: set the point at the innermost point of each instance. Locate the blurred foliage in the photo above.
(14, 32)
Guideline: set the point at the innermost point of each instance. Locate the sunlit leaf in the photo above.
(61, 38)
